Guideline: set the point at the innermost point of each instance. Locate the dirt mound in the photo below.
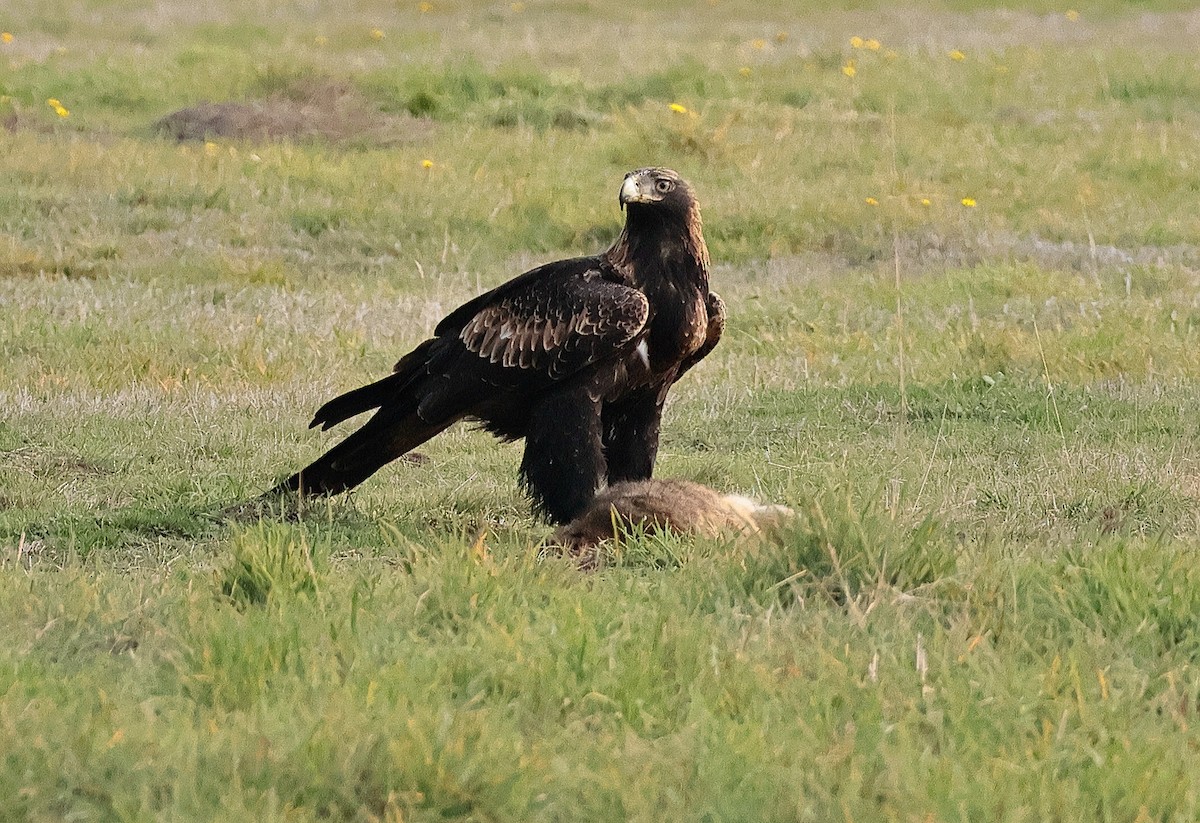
(314, 110)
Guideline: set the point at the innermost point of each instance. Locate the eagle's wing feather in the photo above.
(556, 324)
(532, 279)
(715, 327)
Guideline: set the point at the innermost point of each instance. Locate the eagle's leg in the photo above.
(631, 429)
(563, 466)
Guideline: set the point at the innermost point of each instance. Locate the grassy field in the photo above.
(961, 251)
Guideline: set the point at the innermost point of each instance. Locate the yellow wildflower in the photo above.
(6, 36)
(872, 44)
(849, 69)
(969, 202)
(857, 42)
(62, 111)
(377, 34)
(678, 109)
(871, 201)
(424, 8)
(321, 40)
(53, 102)
(781, 36)
(427, 164)
(925, 201)
(1071, 15)
(211, 148)
(957, 55)
(744, 71)
(758, 44)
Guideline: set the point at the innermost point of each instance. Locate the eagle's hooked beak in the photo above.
(630, 191)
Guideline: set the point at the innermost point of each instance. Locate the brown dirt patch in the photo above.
(310, 110)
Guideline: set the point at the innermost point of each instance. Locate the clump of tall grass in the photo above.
(269, 561)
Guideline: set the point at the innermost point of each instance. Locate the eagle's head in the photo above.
(662, 225)
(657, 188)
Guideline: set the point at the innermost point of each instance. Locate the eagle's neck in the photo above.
(655, 246)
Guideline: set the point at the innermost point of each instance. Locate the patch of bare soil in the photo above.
(310, 110)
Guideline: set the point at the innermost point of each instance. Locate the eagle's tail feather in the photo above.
(384, 438)
(345, 406)
(392, 392)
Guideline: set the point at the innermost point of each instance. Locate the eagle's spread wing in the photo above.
(562, 320)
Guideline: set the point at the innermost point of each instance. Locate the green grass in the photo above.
(985, 416)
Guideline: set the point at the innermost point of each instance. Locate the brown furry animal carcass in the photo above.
(680, 506)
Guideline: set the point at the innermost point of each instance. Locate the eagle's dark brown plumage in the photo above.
(575, 356)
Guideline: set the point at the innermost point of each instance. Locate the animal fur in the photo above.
(679, 506)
